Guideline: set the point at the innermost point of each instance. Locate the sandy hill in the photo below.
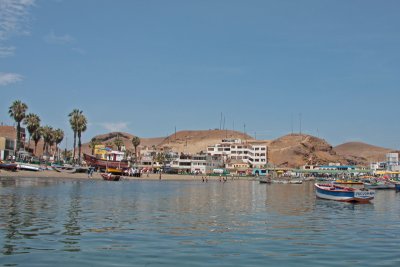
(295, 150)
(197, 141)
(126, 139)
(361, 152)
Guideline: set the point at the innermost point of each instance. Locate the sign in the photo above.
(100, 150)
(364, 194)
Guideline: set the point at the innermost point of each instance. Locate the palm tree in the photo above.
(17, 111)
(135, 143)
(73, 121)
(36, 136)
(81, 126)
(58, 137)
(93, 143)
(47, 134)
(32, 122)
(118, 143)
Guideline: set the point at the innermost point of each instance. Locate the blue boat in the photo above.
(397, 186)
(341, 193)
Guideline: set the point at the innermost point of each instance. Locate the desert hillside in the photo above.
(126, 139)
(197, 141)
(295, 150)
(361, 152)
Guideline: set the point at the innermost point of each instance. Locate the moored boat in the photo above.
(341, 193)
(8, 166)
(397, 186)
(347, 182)
(110, 177)
(379, 185)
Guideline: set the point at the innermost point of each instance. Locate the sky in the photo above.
(146, 67)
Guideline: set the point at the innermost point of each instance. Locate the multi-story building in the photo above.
(252, 153)
(7, 146)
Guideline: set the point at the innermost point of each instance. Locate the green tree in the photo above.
(136, 143)
(93, 143)
(81, 127)
(36, 136)
(32, 122)
(48, 138)
(118, 143)
(58, 137)
(17, 111)
(160, 158)
(73, 121)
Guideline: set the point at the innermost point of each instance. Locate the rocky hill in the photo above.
(197, 141)
(296, 150)
(126, 138)
(361, 153)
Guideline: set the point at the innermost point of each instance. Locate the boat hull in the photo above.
(104, 164)
(379, 186)
(25, 167)
(397, 186)
(9, 166)
(111, 177)
(339, 193)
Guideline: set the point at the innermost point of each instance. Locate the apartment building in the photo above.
(255, 154)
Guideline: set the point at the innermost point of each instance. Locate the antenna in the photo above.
(291, 121)
(300, 121)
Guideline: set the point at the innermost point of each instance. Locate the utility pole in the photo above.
(291, 121)
(300, 122)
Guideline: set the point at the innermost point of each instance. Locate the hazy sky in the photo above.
(145, 67)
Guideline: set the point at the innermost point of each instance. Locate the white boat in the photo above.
(27, 167)
(341, 193)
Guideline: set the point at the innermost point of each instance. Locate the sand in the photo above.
(151, 177)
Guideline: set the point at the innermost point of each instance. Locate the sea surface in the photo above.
(48, 222)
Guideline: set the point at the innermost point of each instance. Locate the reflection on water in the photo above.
(75, 223)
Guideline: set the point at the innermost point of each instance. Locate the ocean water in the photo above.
(45, 222)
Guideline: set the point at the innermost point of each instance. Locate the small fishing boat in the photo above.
(110, 177)
(341, 193)
(379, 185)
(347, 182)
(27, 167)
(114, 171)
(265, 181)
(8, 166)
(64, 169)
(397, 186)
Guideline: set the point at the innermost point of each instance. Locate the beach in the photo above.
(96, 175)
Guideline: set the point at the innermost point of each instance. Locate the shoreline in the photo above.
(96, 176)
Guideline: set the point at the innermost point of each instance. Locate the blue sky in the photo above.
(145, 67)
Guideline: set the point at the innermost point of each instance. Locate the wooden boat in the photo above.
(341, 193)
(27, 167)
(347, 182)
(397, 186)
(8, 166)
(64, 169)
(265, 181)
(110, 177)
(104, 164)
(379, 185)
(114, 171)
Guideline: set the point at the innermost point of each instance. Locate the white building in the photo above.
(235, 149)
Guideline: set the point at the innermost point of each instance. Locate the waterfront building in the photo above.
(252, 153)
(7, 146)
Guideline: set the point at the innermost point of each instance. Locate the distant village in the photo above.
(230, 155)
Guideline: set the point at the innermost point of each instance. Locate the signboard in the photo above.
(100, 150)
